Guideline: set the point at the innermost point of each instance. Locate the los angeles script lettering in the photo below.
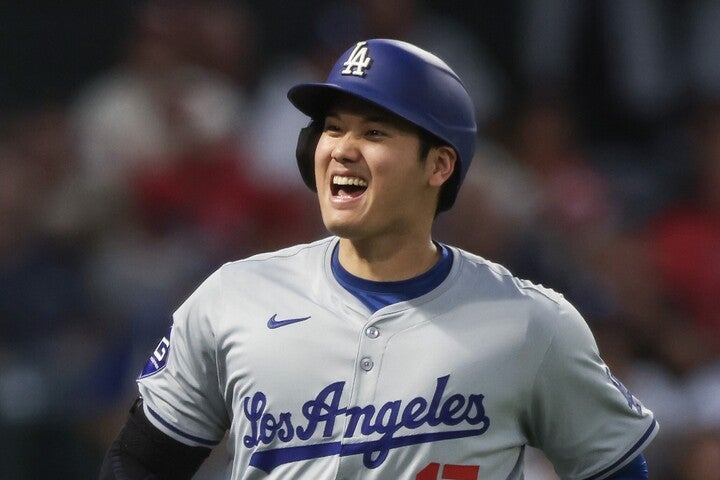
(379, 423)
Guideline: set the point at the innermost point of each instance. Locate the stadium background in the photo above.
(142, 144)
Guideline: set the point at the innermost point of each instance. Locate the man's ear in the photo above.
(440, 164)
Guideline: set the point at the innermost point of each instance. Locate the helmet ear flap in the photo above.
(305, 152)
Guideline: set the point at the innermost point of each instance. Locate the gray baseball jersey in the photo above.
(308, 383)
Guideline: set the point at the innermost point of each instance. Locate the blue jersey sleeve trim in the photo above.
(635, 470)
(173, 428)
(630, 453)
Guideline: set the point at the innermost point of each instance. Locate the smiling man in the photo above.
(377, 192)
(379, 353)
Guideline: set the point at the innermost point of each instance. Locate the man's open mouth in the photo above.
(343, 186)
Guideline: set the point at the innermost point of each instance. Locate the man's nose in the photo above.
(346, 148)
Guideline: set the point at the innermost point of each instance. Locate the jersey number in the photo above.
(449, 472)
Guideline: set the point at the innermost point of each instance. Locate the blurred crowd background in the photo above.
(144, 143)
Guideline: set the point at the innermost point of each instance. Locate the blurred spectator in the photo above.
(209, 192)
(576, 197)
(173, 96)
(117, 117)
(52, 350)
(144, 110)
(573, 204)
(685, 237)
(43, 234)
(221, 36)
(613, 58)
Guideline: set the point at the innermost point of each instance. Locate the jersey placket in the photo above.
(371, 344)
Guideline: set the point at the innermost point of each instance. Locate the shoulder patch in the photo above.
(158, 359)
(631, 400)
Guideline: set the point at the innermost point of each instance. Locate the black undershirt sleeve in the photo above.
(142, 452)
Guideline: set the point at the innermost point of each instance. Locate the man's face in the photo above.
(370, 179)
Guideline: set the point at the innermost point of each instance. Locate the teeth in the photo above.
(355, 181)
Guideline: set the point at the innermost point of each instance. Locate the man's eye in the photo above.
(375, 133)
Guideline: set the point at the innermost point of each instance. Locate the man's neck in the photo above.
(389, 260)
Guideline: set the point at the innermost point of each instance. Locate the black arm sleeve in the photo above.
(142, 452)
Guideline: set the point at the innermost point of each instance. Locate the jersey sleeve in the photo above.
(180, 384)
(583, 418)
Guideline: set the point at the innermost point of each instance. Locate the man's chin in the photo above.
(344, 230)
(342, 224)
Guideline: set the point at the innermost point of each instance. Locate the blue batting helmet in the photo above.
(405, 80)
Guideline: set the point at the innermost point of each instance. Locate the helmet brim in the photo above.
(314, 99)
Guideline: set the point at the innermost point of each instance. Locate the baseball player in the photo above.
(379, 353)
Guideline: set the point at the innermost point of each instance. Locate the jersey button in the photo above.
(366, 364)
(372, 332)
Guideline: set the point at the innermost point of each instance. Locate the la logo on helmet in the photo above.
(358, 61)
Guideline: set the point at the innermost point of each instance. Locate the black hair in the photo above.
(428, 141)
